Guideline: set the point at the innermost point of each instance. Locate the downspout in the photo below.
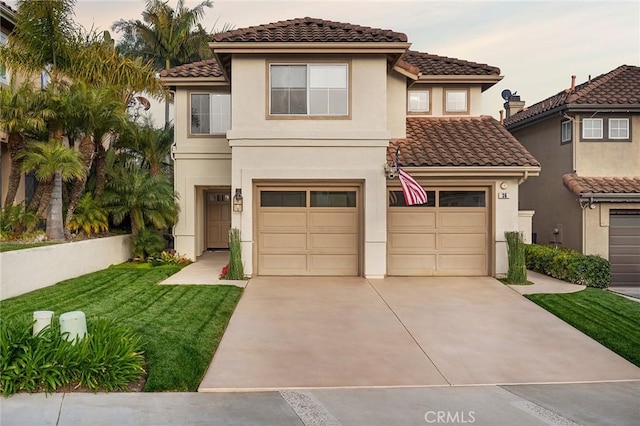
(524, 177)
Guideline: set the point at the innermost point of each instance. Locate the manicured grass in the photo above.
(181, 326)
(5, 246)
(606, 317)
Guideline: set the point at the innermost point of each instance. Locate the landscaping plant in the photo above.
(147, 243)
(89, 217)
(236, 268)
(517, 273)
(569, 265)
(168, 257)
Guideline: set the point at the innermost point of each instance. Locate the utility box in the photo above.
(73, 325)
(42, 320)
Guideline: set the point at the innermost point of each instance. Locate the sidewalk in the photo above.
(205, 271)
(566, 404)
(545, 284)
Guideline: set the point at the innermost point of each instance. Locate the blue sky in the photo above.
(537, 45)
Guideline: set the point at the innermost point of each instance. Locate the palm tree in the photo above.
(149, 145)
(54, 164)
(21, 113)
(102, 112)
(166, 36)
(133, 192)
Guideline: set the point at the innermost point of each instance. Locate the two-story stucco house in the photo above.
(587, 139)
(288, 135)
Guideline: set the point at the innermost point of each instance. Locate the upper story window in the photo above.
(210, 113)
(4, 76)
(418, 101)
(566, 132)
(456, 101)
(612, 129)
(592, 128)
(308, 89)
(618, 128)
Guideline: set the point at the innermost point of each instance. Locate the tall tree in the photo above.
(149, 145)
(166, 36)
(21, 113)
(53, 163)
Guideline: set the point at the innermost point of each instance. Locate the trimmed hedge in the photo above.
(569, 265)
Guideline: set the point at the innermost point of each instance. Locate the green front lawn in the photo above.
(181, 325)
(4, 246)
(606, 317)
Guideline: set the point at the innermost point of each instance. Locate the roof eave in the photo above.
(614, 197)
(573, 108)
(194, 81)
(406, 73)
(473, 171)
(534, 119)
(485, 80)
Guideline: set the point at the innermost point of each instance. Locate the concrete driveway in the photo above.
(298, 332)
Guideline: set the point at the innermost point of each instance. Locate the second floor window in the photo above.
(618, 128)
(456, 101)
(210, 113)
(418, 101)
(566, 135)
(592, 128)
(308, 89)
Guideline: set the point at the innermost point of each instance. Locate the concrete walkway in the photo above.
(546, 284)
(532, 405)
(205, 271)
(351, 332)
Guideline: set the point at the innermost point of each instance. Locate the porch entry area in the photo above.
(217, 218)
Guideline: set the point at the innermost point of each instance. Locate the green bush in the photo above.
(236, 268)
(168, 257)
(569, 265)
(147, 243)
(108, 358)
(16, 220)
(517, 272)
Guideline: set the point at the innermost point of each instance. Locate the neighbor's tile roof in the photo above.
(208, 68)
(429, 64)
(601, 185)
(309, 30)
(460, 141)
(620, 86)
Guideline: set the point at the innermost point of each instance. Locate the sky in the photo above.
(537, 45)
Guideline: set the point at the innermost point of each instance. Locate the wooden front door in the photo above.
(218, 219)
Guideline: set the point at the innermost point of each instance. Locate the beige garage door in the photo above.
(447, 236)
(308, 231)
(624, 247)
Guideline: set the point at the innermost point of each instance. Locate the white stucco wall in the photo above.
(505, 219)
(30, 269)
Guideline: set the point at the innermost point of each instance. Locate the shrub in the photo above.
(16, 220)
(169, 257)
(108, 358)
(89, 217)
(569, 265)
(223, 273)
(147, 243)
(236, 268)
(517, 273)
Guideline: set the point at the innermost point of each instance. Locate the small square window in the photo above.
(456, 101)
(618, 128)
(418, 101)
(592, 128)
(566, 131)
(210, 113)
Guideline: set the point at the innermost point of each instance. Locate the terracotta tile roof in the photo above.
(430, 64)
(208, 68)
(466, 141)
(601, 185)
(309, 30)
(620, 86)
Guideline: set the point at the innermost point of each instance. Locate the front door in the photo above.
(218, 219)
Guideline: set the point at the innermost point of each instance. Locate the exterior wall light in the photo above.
(237, 201)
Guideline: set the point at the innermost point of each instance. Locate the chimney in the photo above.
(513, 105)
(573, 83)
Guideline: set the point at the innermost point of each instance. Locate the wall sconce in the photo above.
(237, 201)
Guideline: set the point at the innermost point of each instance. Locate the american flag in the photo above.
(413, 192)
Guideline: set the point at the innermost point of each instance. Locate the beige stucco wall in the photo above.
(555, 206)
(608, 158)
(396, 105)
(333, 161)
(525, 218)
(505, 219)
(58, 262)
(596, 239)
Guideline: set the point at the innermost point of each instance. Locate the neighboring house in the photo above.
(295, 124)
(587, 139)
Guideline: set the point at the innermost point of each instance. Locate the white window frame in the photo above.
(449, 108)
(4, 73)
(214, 113)
(566, 131)
(419, 104)
(309, 89)
(624, 128)
(587, 126)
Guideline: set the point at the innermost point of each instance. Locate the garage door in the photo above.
(446, 236)
(624, 247)
(308, 231)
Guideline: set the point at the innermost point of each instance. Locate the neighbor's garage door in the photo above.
(447, 236)
(308, 231)
(624, 247)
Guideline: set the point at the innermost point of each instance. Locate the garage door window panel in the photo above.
(462, 199)
(396, 199)
(283, 199)
(333, 199)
